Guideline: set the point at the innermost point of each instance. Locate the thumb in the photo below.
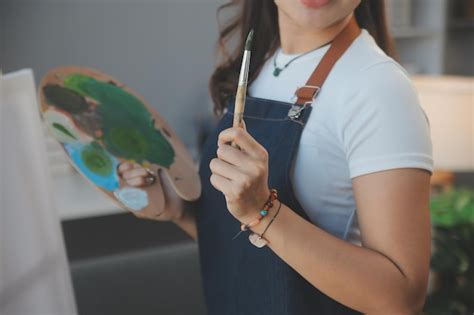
(243, 125)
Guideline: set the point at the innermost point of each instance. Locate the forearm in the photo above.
(355, 276)
(187, 221)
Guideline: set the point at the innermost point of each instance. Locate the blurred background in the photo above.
(122, 265)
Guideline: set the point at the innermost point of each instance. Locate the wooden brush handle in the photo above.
(239, 108)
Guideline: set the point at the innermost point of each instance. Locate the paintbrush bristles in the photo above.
(244, 69)
(248, 42)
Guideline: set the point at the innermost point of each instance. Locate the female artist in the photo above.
(333, 168)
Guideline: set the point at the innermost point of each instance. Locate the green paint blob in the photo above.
(129, 143)
(63, 129)
(97, 160)
(65, 98)
(127, 125)
(108, 95)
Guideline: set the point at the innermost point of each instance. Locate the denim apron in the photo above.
(238, 277)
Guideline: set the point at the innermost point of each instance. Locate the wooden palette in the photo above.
(100, 123)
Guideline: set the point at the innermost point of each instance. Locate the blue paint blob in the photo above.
(107, 181)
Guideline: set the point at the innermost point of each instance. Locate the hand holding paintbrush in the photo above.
(242, 86)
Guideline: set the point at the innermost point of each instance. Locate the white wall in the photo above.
(163, 49)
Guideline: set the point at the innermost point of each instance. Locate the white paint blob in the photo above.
(133, 198)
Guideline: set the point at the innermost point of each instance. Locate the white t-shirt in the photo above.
(366, 118)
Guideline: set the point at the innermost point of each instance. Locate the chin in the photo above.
(316, 14)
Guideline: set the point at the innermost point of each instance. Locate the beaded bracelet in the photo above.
(257, 239)
(263, 212)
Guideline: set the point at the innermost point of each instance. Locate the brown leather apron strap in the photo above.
(307, 93)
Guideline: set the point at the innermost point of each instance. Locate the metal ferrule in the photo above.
(244, 70)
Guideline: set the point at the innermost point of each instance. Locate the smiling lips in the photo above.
(314, 4)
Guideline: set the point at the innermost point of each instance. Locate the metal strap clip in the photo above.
(296, 109)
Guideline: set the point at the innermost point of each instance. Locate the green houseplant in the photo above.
(452, 262)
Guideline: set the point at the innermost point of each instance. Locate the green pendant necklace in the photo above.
(277, 70)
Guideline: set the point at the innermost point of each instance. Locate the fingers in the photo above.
(220, 183)
(137, 182)
(133, 174)
(123, 167)
(224, 169)
(244, 125)
(233, 156)
(243, 139)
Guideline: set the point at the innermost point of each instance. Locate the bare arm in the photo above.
(187, 221)
(388, 275)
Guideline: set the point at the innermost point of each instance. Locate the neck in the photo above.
(295, 39)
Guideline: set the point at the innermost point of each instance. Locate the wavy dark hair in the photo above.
(261, 15)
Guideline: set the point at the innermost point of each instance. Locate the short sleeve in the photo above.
(381, 124)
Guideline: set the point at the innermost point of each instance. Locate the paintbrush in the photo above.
(242, 86)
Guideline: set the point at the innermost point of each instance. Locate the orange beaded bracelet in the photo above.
(257, 239)
(263, 212)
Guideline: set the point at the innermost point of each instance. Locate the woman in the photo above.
(360, 162)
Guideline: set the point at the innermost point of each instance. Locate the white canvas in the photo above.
(34, 273)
